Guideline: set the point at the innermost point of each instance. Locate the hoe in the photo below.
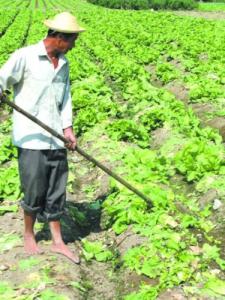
(4, 99)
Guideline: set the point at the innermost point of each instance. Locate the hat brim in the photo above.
(53, 26)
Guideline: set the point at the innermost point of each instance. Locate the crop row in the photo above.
(43, 5)
(133, 82)
(143, 96)
(7, 4)
(146, 168)
(158, 39)
(8, 15)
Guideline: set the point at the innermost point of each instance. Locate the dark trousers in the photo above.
(43, 176)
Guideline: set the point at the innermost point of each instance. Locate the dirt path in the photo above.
(213, 15)
(53, 274)
(34, 275)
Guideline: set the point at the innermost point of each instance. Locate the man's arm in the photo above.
(12, 71)
(66, 115)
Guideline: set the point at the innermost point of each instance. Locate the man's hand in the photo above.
(69, 135)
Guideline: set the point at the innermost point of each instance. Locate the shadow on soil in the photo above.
(78, 221)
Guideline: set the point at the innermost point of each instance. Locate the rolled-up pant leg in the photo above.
(33, 178)
(43, 176)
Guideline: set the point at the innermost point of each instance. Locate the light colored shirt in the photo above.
(42, 91)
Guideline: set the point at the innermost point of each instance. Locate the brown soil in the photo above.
(62, 272)
(89, 280)
(178, 89)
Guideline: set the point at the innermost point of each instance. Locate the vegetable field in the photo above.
(148, 91)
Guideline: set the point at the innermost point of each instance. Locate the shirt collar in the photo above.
(41, 49)
(43, 52)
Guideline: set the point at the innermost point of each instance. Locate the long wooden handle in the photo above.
(78, 149)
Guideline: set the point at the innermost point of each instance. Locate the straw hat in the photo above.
(64, 22)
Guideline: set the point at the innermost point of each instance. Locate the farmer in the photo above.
(39, 75)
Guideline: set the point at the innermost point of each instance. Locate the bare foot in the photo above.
(30, 245)
(64, 250)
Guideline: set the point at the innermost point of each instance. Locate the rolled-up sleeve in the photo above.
(12, 71)
(66, 110)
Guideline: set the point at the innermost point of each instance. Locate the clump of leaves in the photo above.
(128, 130)
(166, 72)
(86, 119)
(153, 119)
(124, 209)
(96, 250)
(146, 165)
(205, 90)
(89, 91)
(198, 158)
(7, 150)
(9, 183)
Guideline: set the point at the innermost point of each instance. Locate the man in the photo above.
(39, 75)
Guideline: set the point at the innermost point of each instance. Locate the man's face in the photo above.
(66, 44)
